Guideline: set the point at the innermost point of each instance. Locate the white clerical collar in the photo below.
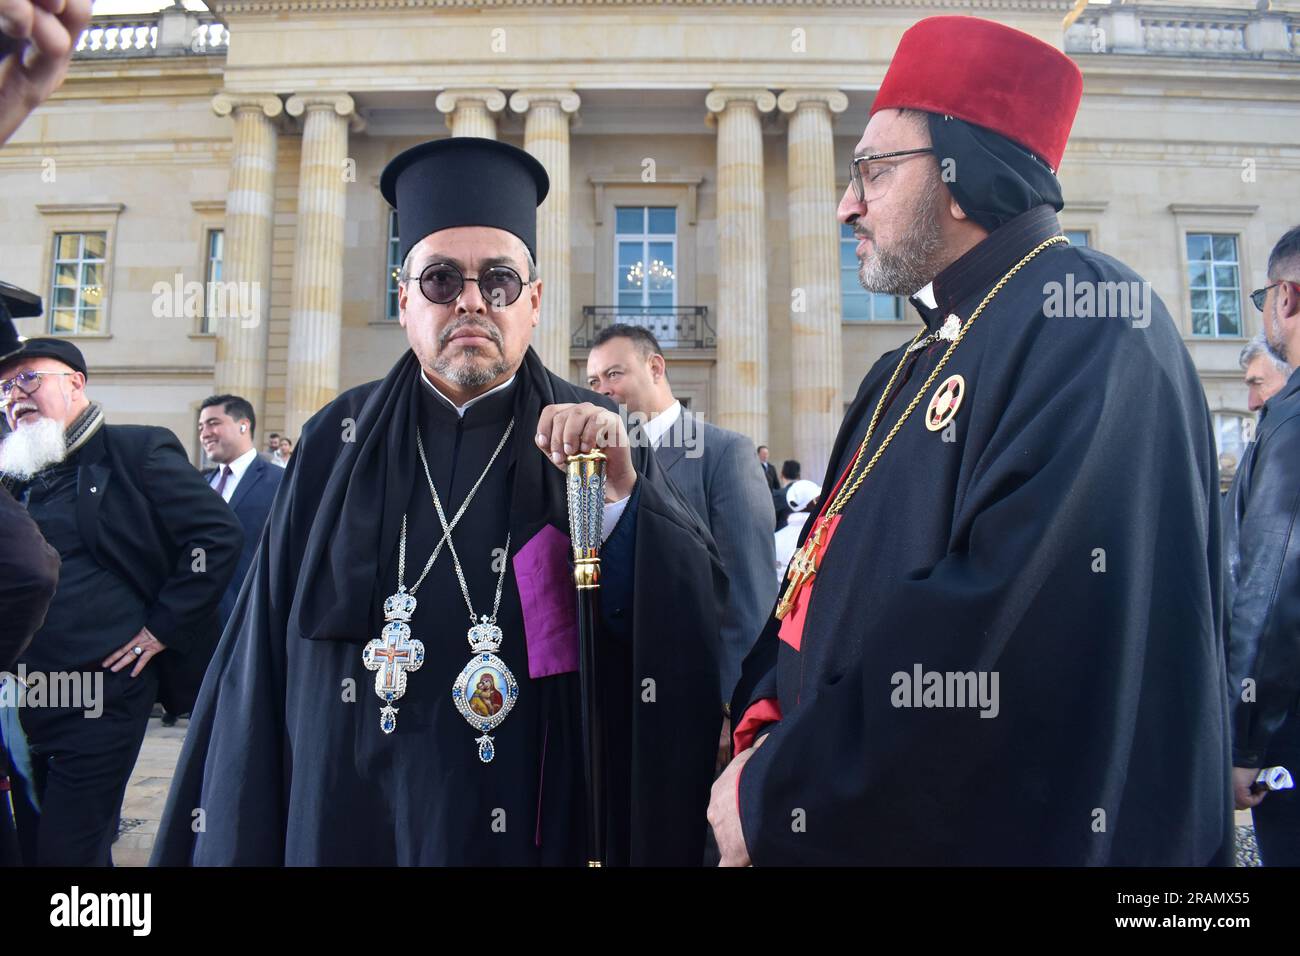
(926, 296)
(240, 464)
(462, 409)
(658, 426)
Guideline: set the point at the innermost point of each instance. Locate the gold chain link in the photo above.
(849, 489)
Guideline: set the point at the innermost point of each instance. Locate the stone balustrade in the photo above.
(1188, 32)
(171, 32)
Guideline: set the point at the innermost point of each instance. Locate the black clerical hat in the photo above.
(65, 352)
(464, 181)
(15, 303)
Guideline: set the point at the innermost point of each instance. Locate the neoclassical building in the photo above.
(199, 204)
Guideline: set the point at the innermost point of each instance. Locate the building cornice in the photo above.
(229, 8)
(79, 208)
(1213, 209)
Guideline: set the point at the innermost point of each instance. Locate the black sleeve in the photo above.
(1264, 633)
(29, 573)
(207, 536)
(618, 568)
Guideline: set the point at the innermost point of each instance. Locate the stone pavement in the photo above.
(146, 795)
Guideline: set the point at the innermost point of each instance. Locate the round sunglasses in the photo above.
(442, 283)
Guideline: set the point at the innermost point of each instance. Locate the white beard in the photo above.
(32, 448)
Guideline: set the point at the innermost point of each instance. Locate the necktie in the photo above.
(221, 485)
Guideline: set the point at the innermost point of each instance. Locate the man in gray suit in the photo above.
(717, 472)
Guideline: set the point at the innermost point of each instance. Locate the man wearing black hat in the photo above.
(146, 552)
(998, 641)
(353, 715)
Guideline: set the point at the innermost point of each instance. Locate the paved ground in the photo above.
(147, 793)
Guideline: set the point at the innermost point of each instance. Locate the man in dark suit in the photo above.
(769, 469)
(146, 552)
(791, 471)
(244, 479)
(715, 470)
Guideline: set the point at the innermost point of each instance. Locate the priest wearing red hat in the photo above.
(998, 642)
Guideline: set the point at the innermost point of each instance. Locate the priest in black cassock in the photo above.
(398, 681)
(999, 642)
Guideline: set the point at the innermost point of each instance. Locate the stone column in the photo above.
(471, 112)
(250, 199)
(316, 316)
(546, 136)
(816, 307)
(742, 260)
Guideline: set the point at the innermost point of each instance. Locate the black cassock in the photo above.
(1063, 534)
(288, 767)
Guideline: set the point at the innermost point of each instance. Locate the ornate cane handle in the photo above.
(586, 490)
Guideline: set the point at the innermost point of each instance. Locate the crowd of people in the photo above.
(1016, 623)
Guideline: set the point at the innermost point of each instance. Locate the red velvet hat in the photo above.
(987, 74)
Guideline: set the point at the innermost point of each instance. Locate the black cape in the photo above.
(279, 767)
(1082, 444)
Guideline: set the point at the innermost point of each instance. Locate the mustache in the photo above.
(487, 331)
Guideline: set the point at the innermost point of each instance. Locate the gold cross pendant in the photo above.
(803, 566)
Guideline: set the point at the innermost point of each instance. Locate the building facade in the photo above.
(199, 203)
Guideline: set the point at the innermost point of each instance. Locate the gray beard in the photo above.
(470, 376)
(32, 448)
(908, 267)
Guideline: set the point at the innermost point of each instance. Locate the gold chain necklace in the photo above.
(803, 567)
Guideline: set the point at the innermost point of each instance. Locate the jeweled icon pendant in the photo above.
(485, 691)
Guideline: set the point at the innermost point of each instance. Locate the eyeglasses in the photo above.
(28, 383)
(1259, 295)
(441, 283)
(878, 178)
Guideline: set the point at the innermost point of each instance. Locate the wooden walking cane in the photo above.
(586, 496)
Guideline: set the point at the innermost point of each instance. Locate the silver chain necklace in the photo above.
(485, 691)
(451, 545)
(395, 653)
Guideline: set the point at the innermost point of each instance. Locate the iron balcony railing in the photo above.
(675, 326)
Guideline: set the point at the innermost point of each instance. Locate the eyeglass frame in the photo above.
(8, 385)
(419, 281)
(1259, 295)
(855, 174)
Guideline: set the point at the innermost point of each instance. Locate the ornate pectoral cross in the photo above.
(392, 655)
(803, 567)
